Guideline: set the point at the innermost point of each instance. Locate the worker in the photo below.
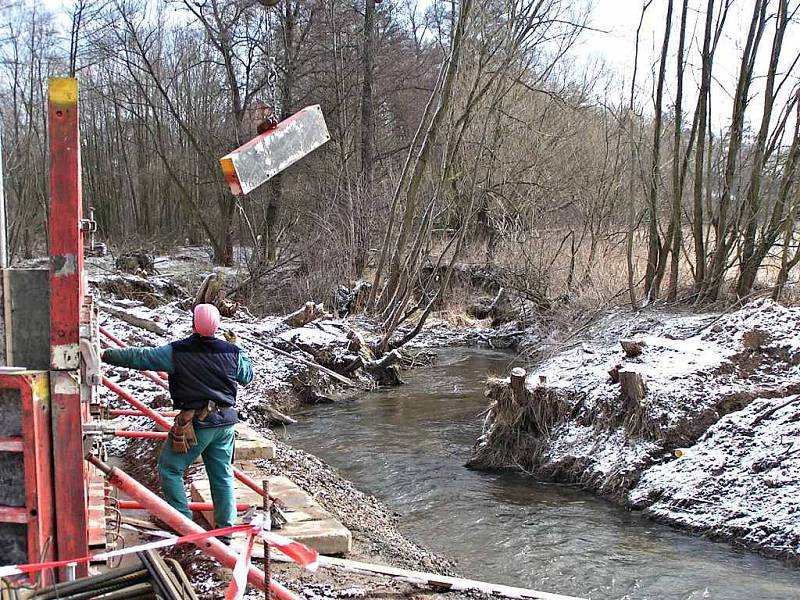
(203, 373)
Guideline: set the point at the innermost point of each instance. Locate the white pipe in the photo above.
(431, 580)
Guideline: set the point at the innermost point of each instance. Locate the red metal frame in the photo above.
(156, 435)
(126, 412)
(35, 446)
(67, 292)
(193, 506)
(158, 507)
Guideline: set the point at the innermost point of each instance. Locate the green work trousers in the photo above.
(215, 445)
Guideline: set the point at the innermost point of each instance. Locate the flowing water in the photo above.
(408, 446)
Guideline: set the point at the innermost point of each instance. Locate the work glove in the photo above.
(231, 336)
(182, 436)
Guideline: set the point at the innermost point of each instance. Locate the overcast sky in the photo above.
(612, 42)
(618, 20)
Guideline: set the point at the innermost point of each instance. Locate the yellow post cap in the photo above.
(63, 90)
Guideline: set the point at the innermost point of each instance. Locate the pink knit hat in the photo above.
(206, 319)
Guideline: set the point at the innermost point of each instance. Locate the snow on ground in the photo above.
(712, 382)
(740, 481)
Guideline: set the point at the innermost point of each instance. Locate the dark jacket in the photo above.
(201, 369)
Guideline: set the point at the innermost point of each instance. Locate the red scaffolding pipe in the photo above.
(159, 508)
(158, 378)
(122, 412)
(153, 414)
(166, 426)
(193, 506)
(158, 435)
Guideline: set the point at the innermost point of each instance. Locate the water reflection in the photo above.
(408, 447)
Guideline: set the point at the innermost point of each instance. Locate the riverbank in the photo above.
(721, 390)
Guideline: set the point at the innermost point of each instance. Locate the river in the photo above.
(408, 445)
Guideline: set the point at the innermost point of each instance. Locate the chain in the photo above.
(272, 81)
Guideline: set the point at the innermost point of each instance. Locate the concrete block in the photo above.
(251, 445)
(29, 320)
(11, 411)
(13, 544)
(326, 537)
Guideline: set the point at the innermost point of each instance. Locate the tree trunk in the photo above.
(702, 117)
(654, 240)
(367, 111)
(719, 262)
(677, 175)
(750, 257)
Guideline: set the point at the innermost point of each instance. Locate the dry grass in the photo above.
(538, 264)
(515, 435)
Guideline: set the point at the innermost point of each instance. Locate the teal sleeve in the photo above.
(244, 370)
(142, 359)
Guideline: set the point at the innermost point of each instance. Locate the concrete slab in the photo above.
(307, 521)
(326, 537)
(251, 445)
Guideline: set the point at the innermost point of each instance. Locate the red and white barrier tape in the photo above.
(299, 553)
(238, 584)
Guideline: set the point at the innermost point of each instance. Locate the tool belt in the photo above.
(202, 413)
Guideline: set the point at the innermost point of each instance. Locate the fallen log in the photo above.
(384, 362)
(132, 319)
(275, 416)
(305, 314)
(384, 369)
(308, 363)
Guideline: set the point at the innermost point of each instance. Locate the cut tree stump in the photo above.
(632, 348)
(518, 385)
(633, 387)
(211, 292)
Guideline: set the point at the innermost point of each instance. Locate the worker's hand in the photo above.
(231, 336)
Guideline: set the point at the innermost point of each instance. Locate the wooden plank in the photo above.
(440, 582)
